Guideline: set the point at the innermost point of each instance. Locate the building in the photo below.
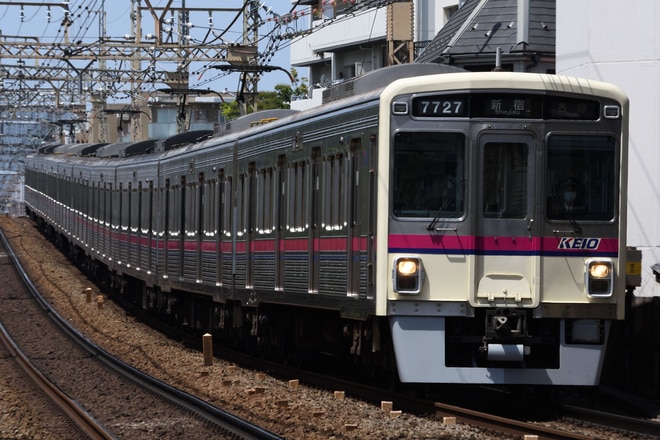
(350, 38)
(484, 35)
(605, 41)
(354, 38)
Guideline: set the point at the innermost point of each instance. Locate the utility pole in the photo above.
(112, 65)
(100, 96)
(251, 37)
(400, 21)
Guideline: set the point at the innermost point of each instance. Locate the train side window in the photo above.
(296, 206)
(127, 194)
(227, 207)
(581, 177)
(265, 201)
(146, 220)
(191, 217)
(95, 202)
(209, 207)
(136, 201)
(241, 194)
(334, 184)
(145, 207)
(107, 204)
(175, 211)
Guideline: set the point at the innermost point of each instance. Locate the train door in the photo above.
(220, 224)
(200, 207)
(315, 221)
(280, 204)
(165, 231)
(506, 263)
(249, 223)
(183, 195)
(148, 226)
(353, 235)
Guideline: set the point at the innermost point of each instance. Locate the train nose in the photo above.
(498, 289)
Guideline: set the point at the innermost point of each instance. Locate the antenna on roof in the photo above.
(498, 60)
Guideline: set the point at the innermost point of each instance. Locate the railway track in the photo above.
(32, 397)
(477, 420)
(104, 396)
(593, 423)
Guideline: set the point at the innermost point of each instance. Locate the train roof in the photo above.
(380, 78)
(181, 139)
(125, 149)
(48, 148)
(258, 118)
(82, 150)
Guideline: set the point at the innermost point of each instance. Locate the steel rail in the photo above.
(90, 426)
(223, 419)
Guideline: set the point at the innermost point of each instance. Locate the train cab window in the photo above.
(581, 177)
(428, 171)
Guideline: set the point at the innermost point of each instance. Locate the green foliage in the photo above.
(280, 98)
(230, 110)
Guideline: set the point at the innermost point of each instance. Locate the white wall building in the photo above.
(617, 43)
(349, 37)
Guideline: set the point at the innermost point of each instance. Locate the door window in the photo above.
(505, 180)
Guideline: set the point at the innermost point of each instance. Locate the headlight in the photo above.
(599, 278)
(599, 270)
(407, 267)
(408, 275)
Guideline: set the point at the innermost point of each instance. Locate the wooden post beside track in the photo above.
(207, 348)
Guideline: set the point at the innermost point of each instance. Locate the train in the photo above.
(426, 223)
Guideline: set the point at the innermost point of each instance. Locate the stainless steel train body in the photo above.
(427, 217)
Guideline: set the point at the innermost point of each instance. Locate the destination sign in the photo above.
(505, 105)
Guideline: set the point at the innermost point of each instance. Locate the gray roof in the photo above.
(479, 27)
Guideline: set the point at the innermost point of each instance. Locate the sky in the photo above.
(34, 18)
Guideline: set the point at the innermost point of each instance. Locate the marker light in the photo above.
(408, 275)
(599, 278)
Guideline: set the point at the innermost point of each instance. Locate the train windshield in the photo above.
(428, 171)
(581, 177)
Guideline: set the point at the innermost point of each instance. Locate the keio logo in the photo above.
(578, 243)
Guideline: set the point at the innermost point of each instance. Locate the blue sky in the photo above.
(44, 23)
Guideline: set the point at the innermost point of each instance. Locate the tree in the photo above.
(280, 98)
(297, 89)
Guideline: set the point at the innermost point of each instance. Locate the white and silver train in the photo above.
(439, 225)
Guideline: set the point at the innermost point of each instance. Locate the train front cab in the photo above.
(492, 276)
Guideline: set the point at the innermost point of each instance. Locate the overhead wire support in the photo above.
(107, 65)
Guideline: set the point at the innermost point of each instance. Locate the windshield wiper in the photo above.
(451, 197)
(576, 228)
